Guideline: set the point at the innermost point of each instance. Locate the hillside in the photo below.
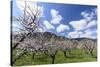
(49, 35)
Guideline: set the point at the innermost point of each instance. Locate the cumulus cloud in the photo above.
(89, 34)
(80, 34)
(74, 34)
(89, 15)
(92, 23)
(83, 34)
(54, 13)
(84, 25)
(89, 20)
(48, 25)
(78, 25)
(62, 28)
(56, 18)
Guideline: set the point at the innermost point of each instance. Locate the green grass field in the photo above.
(76, 55)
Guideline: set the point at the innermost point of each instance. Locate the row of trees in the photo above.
(50, 45)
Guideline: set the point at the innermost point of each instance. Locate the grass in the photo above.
(77, 55)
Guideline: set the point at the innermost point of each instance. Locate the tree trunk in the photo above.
(65, 54)
(33, 55)
(91, 52)
(53, 59)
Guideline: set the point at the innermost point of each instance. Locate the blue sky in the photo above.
(69, 20)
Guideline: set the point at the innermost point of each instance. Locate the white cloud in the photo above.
(48, 25)
(54, 13)
(78, 25)
(86, 36)
(88, 21)
(89, 34)
(56, 18)
(89, 15)
(74, 34)
(92, 23)
(62, 27)
(80, 34)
